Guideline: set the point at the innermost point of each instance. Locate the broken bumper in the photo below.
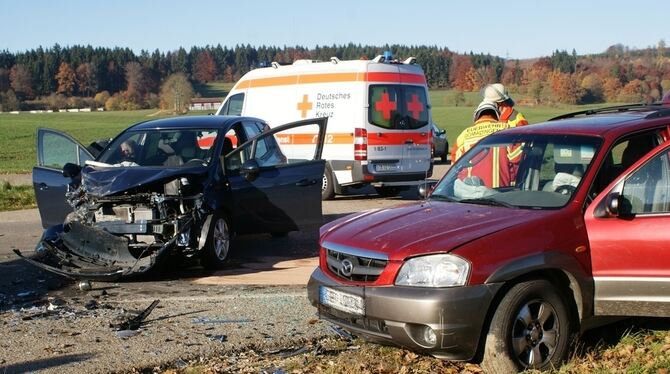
(78, 251)
(401, 315)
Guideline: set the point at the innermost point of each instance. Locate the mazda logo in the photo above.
(346, 267)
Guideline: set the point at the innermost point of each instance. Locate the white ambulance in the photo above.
(379, 120)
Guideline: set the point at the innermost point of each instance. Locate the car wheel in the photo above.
(387, 191)
(529, 330)
(443, 157)
(328, 184)
(217, 246)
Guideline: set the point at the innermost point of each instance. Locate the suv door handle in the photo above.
(305, 182)
(42, 186)
(409, 141)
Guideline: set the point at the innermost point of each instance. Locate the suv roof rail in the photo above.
(661, 110)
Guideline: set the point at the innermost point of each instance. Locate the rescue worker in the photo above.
(497, 93)
(486, 121)
(495, 168)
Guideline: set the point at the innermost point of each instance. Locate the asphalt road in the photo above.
(259, 302)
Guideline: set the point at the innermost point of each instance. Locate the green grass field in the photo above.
(17, 131)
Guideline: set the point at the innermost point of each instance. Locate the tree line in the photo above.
(119, 78)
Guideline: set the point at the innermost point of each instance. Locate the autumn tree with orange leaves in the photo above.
(204, 69)
(66, 79)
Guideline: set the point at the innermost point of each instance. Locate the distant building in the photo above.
(205, 104)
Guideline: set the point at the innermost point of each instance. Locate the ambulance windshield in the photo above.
(398, 106)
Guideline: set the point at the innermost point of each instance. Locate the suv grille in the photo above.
(353, 266)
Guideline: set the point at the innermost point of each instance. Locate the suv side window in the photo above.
(622, 155)
(647, 190)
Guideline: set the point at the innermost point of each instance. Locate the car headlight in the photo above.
(443, 270)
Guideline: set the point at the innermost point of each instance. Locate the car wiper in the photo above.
(487, 201)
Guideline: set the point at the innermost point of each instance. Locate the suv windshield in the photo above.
(398, 106)
(525, 171)
(171, 148)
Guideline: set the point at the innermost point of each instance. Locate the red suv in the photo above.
(531, 237)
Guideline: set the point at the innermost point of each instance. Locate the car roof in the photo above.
(211, 121)
(602, 122)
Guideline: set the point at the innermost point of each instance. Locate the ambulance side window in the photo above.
(233, 106)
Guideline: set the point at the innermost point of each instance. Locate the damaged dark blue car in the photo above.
(182, 185)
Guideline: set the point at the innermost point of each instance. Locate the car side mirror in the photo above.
(613, 204)
(426, 188)
(71, 170)
(250, 170)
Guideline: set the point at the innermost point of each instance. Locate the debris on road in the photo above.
(344, 335)
(135, 323)
(207, 320)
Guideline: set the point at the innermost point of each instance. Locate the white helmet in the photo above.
(486, 106)
(495, 93)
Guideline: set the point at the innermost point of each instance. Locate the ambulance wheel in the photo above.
(387, 191)
(328, 184)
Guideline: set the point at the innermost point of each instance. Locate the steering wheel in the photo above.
(198, 161)
(565, 189)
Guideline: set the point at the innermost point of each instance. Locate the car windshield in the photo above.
(520, 171)
(170, 148)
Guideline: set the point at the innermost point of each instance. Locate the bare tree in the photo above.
(176, 93)
(87, 78)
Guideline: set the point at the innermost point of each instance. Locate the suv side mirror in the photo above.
(426, 188)
(613, 204)
(250, 170)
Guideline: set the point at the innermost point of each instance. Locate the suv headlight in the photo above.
(443, 270)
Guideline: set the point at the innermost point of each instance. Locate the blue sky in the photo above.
(514, 29)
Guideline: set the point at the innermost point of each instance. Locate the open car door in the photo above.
(275, 178)
(54, 150)
(628, 227)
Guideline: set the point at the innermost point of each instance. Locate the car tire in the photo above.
(387, 191)
(528, 320)
(217, 246)
(328, 184)
(443, 157)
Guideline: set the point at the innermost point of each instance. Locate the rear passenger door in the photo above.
(628, 228)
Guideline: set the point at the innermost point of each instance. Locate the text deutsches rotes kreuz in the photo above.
(327, 102)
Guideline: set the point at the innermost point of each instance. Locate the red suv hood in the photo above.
(422, 227)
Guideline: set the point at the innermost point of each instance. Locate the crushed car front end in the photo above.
(124, 220)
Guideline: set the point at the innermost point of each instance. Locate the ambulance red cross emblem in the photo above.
(415, 107)
(385, 106)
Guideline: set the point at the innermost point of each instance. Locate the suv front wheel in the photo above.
(529, 330)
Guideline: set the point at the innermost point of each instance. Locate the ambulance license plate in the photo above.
(342, 301)
(387, 167)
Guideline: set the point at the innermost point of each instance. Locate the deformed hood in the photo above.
(105, 181)
(423, 227)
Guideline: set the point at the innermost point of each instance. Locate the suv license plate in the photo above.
(387, 167)
(342, 301)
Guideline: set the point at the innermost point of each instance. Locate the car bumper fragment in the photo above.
(78, 251)
(400, 315)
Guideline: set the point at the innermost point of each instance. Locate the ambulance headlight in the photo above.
(442, 270)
